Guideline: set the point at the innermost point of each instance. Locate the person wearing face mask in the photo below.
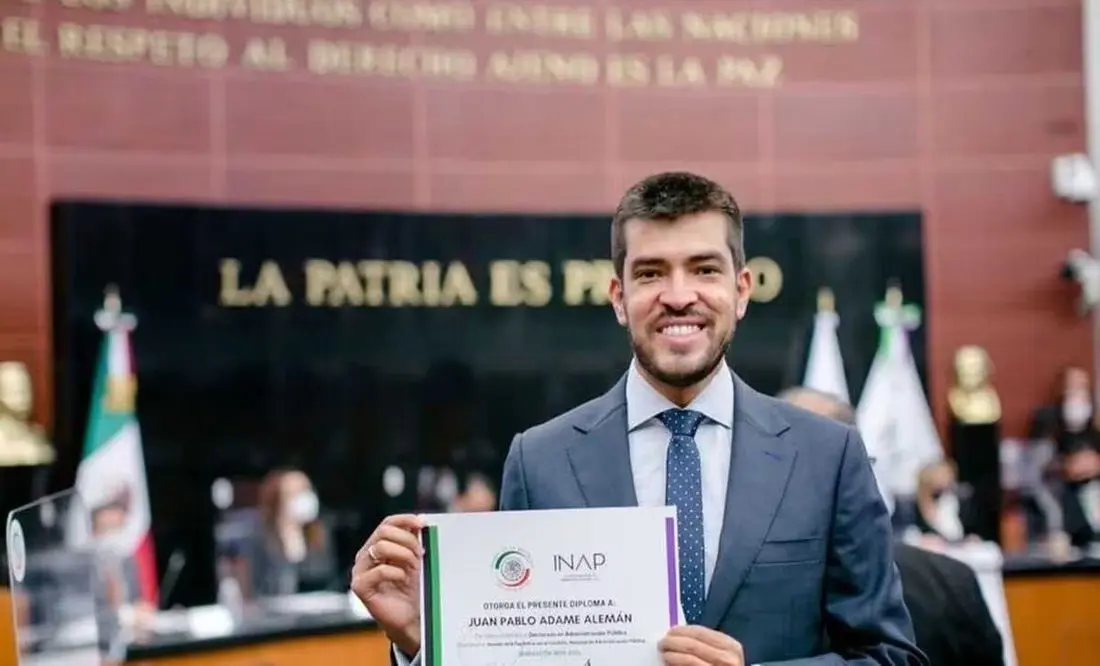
(944, 510)
(1071, 426)
(291, 551)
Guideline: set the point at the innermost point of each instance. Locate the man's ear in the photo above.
(745, 285)
(615, 295)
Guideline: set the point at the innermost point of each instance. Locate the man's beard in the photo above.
(686, 378)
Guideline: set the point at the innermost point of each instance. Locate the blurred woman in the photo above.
(292, 549)
(1071, 425)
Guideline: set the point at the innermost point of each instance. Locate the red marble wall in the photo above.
(954, 107)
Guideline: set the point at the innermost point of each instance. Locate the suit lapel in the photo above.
(760, 466)
(600, 453)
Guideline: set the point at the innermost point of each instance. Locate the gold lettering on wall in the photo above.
(302, 13)
(586, 282)
(540, 21)
(118, 44)
(99, 5)
(822, 26)
(378, 283)
(375, 283)
(21, 35)
(268, 289)
(266, 53)
(422, 16)
(543, 67)
(640, 25)
(521, 43)
(749, 72)
(516, 283)
(362, 59)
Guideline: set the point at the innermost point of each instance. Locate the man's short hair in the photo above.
(830, 405)
(669, 196)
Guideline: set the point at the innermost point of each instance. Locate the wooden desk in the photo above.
(7, 630)
(361, 648)
(344, 646)
(1054, 617)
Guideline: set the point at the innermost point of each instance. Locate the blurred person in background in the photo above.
(121, 612)
(944, 507)
(951, 620)
(455, 462)
(291, 552)
(1070, 424)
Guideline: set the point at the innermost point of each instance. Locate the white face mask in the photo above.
(947, 521)
(304, 507)
(1076, 412)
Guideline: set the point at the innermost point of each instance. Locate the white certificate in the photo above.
(579, 587)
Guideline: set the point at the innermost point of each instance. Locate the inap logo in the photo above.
(579, 566)
(513, 568)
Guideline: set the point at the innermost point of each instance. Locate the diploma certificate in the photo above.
(577, 587)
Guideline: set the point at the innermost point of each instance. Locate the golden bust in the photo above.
(972, 399)
(21, 442)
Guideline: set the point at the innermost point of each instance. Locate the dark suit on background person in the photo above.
(950, 617)
(951, 620)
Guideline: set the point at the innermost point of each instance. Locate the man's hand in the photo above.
(386, 578)
(699, 646)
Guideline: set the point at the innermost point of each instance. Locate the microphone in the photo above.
(176, 561)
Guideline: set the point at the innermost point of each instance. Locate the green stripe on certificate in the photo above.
(433, 630)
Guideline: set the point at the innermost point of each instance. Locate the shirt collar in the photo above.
(643, 402)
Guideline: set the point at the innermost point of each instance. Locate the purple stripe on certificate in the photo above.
(673, 573)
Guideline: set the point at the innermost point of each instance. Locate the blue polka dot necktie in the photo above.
(684, 490)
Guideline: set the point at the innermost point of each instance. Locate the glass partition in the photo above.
(61, 604)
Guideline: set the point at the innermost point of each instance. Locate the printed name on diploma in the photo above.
(519, 613)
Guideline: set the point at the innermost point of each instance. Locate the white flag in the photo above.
(893, 414)
(825, 364)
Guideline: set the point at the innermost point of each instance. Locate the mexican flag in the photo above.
(893, 415)
(112, 470)
(824, 363)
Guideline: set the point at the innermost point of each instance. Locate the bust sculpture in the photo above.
(22, 443)
(972, 399)
(975, 435)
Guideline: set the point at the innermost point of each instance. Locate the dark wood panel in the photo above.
(21, 295)
(19, 202)
(286, 118)
(16, 114)
(996, 41)
(93, 107)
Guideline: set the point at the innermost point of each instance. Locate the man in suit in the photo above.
(784, 539)
(951, 620)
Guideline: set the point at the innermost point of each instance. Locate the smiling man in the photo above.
(785, 545)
